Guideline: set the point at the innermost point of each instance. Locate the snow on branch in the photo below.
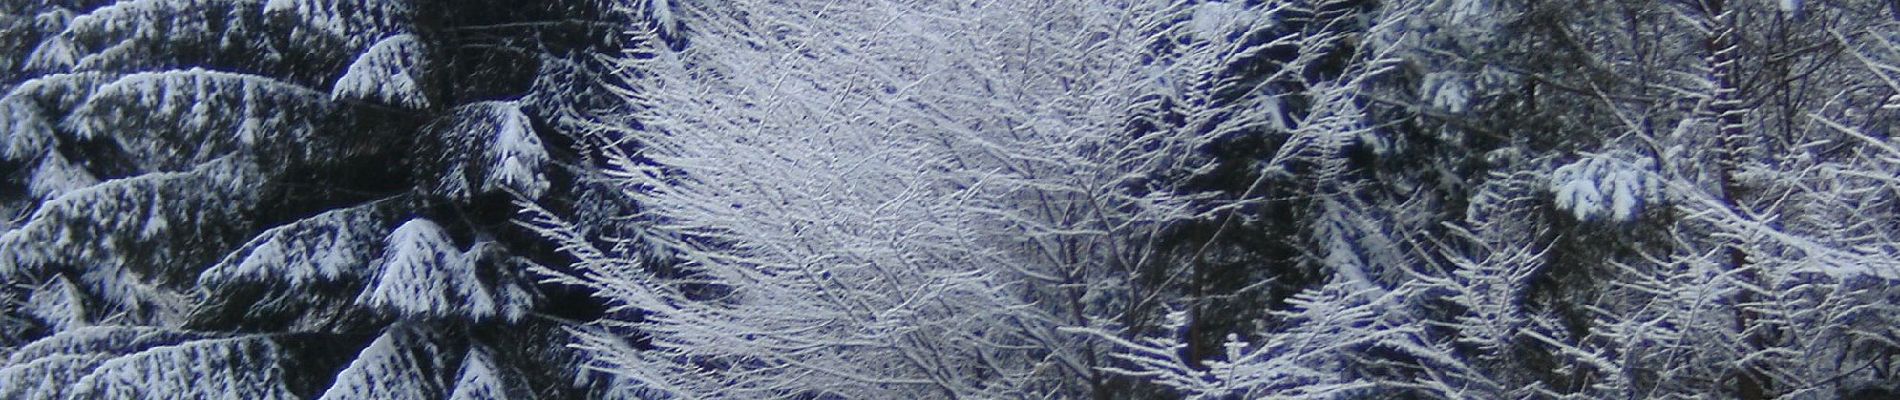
(164, 218)
(58, 94)
(239, 367)
(390, 72)
(143, 362)
(24, 131)
(30, 112)
(424, 275)
(359, 22)
(1606, 187)
(1496, 250)
(54, 175)
(173, 119)
(106, 339)
(47, 377)
(334, 245)
(59, 303)
(140, 34)
(486, 147)
(29, 134)
(515, 156)
(659, 13)
(1802, 252)
(480, 378)
(915, 211)
(399, 365)
(1328, 328)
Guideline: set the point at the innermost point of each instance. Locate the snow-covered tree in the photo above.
(895, 199)
(826, 181)
(882, 229)
(284, 181)
(926, 199)
(1735, 244)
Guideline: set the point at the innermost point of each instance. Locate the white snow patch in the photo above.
(516, 156)
(325, 247)
(1447, 91)
(57, 176)
(479, 378)
(388, 369)
(1602, 187)
(23, 132)
(1215, 20)
(389, 73)
(424, 274)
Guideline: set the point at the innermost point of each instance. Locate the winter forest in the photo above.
(950, 199)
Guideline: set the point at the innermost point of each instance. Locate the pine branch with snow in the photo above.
(153, 34)
(483, 148)
(238, 367)
(425, 275)
(332, 246)
(90, 226)
(123, 119)
(360, 23)
(399, 365)
(172, 119)
(391, 72)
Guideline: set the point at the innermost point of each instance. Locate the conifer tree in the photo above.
(293, 198)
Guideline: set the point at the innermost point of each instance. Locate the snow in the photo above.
(1468, 11)
(207, 194)
(856, 215)
(23, 132)
(1603, 187)
(326, 247)
(1581, 198)
(424, 275)
(133, 294)
(184, 146)
(59, 304)
(389, 369)
(516, 156)
(52, 20)
(55, 176)
(1214, 20)
(58, 94)
(50, 367)
(171, 119)
(47, 377)
(360, 22)
(1325, 324)
(389, 73)
(125, 35)
(496, 139)
(514, 297)
(479, 378)
(1447, 91)
(1341, 253)
(662, 12)
(243, 367)
(55, 54)
(1790, 6)
(284, 6)
(103, 339)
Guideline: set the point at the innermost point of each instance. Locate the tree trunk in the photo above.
(1724, 56)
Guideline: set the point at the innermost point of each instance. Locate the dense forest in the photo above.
(937, 199)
